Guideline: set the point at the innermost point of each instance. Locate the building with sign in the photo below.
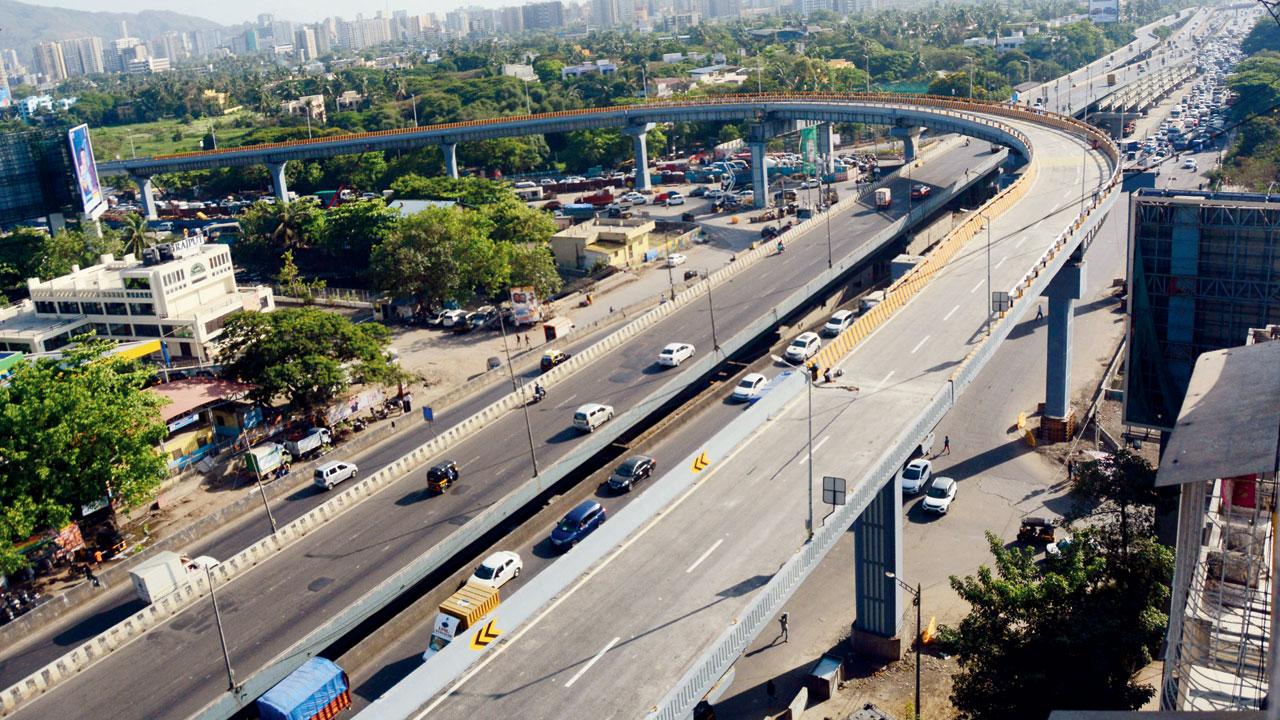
(180, 293)
(1104, 11)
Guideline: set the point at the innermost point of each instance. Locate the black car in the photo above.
(631, 471)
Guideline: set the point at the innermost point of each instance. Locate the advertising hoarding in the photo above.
(86, 171)
(1104, 11)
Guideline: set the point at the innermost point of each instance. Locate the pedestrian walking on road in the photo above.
(88, 575)
(1039, 312)
(785, 621)
(946, 444)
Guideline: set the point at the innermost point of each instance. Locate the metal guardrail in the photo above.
(729, 646)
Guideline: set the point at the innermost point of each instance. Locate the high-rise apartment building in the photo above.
(606, 13)
(83, 56)
(171, 45)
(304, 42)
(363, 32)
(512, 20)
(49, 61)
(543, 15)
(724, 8)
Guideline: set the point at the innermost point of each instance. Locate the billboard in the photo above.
(86, 171)
(1104, 11)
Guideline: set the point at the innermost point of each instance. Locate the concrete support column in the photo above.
(1063, 291)
(909, 136)
(450, 150)
(877, 549)
(758, 140)
(146, 195)
(826, 147)
(278, 183)
(640, 144)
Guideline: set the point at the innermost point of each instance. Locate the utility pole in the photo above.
(222, 636)
(518, 387)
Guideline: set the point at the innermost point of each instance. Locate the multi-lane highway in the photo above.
(617, 639)
(180, 662)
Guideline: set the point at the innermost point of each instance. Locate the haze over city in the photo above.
(234, 12)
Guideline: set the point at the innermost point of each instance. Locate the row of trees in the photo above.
(487, 241)
(1254, 157)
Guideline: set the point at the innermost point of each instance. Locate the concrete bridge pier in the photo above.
(909, 137)
(278, 183)
(826, 148)
(758, 142)
(450, 150)
(877, 549)
(640, 143)
(1063, 291)
(146, 195)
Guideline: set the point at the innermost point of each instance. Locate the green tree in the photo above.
(440, 254)
(73, 430)
(515, 222)
(533, 264)
(1060, 635)
(351, 231)
(134, 236)
(291, 282)
(306, 355)
(1118, 496)
(73, 247)
(472, 192)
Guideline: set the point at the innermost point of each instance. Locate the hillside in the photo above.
(24, 25)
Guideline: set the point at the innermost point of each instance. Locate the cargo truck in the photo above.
(268, 461)
(161, 575)
(884, 198)
(458, 612)
(315, 439)
(318, 690)
(1111, 79)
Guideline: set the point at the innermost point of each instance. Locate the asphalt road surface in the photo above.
(263, 612)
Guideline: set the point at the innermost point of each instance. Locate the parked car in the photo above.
(1189, 164)
(674, 354)
(578, 524)
(552, 358)
(675, 259)
(631, 471)
(591, 416)
(332, 473)
(442, 475)
(451, 318)
(674, 198)
(635, 198)
(920, 192)
(840, 320)
(915, 476)
(497, 569)
(749, 386)
(805, 346)
(940, 495)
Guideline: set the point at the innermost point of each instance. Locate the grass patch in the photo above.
(161, 137)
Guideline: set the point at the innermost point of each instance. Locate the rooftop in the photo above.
(1229, 422)
(187, 395)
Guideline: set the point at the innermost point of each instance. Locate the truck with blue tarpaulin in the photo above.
(318, 690)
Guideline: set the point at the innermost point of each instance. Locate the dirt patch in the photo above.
(892, 689)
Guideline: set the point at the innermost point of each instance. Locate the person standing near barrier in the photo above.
(784, 620)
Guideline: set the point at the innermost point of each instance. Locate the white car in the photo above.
(749, 387)
(1189, 164)
(332, 473)
(675, 198)
(915, 476)
(674, 354)
(675, 259)
(941, 493)
(497, 569)
(811, 183)
(805, 346)
(546, 181)
(714, 194)
(452, 317)
(838, 322)
(635, 198)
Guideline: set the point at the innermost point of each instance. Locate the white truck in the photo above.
(884, 198)
(315, 439)
(165, 573)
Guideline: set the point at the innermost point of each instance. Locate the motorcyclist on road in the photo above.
(538, 391)
(781, 246)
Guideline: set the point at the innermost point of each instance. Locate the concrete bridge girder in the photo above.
(778, 113)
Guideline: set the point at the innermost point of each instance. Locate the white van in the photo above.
(591, 416)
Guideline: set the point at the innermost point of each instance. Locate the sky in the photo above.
(234, 12)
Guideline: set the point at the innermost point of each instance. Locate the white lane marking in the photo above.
(569, 399)
(976, 286)
(704, 555)
(1069, 194)
(885, 380)
(953, 312)
(997, 267)
(1021, 240)
(594, 660)
(565, 595)
(820, 443)
(919, 344)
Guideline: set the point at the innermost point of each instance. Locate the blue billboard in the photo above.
(86, 170)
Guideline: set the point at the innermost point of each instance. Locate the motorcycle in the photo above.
(781, 247)
(538, 395)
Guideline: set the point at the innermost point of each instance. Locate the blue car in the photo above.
(579, 523)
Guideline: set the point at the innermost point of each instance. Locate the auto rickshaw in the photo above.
(1036, 530)
(440, 477)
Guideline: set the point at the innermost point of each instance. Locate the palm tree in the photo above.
(134, 234)
(290, 224)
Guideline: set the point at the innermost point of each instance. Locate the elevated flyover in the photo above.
(336, 566)
(651, 612)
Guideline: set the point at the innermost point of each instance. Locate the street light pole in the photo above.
(808, 382)
(868, 58)
(524, 404)
(263, 492)
(715, 343)
(917, 598)
(413, 99)
(987, 218)
(222, 636)
(827, 202)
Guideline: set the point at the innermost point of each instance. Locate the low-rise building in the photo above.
(602, 67)
(520, 71)
(620, 242)
(306, 106)
(349, 100)
(180, 293)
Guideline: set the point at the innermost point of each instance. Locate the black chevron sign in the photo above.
(487, 634)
